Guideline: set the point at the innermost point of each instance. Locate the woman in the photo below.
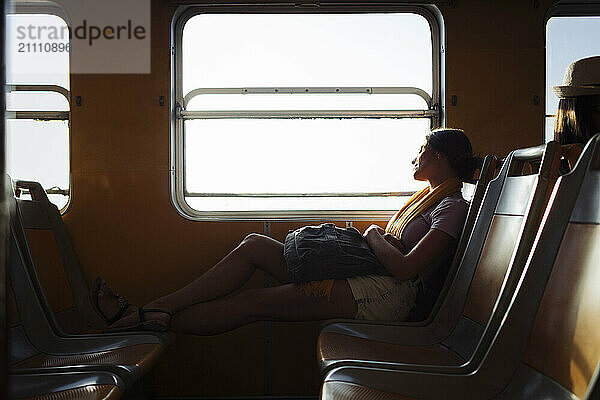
(420, 237)
(578, 116)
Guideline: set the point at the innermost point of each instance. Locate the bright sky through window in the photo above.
(245, 50)
(300, 156)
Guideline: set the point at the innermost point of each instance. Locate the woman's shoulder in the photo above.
(450, 214)
(454, 201)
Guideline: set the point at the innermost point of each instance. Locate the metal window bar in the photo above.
(321, 194)
(432, 112)
(52, 190)
(39, 115)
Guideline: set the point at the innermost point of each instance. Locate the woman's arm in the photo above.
(394, 241)
(432, 246)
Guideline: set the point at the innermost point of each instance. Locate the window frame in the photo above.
(177, 162)
(48, 8)
(565, 8)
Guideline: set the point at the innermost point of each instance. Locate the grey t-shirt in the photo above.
(447, 216)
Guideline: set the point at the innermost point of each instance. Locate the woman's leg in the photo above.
(279, 303)
(232, 272)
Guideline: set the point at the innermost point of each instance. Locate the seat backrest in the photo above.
(19, 346)
(593, 392)
(35, 314)
(55, 261)
(429, 303)
(568, 318)
(499, 245)
(546, 345)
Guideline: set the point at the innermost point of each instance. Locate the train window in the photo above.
(298, 115)
(37, 76)
(568, 38)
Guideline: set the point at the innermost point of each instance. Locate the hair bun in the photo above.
(457, 147)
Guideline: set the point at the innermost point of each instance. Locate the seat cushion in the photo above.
(335, 346)
(144, 356)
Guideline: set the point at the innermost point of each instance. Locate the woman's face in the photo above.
(425, 163)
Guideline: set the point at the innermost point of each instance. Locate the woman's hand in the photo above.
(375, 237)
(374, 233)
(373, 230)
(403, 265)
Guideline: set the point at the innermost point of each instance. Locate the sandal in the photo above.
(143, 324)
(122, 302)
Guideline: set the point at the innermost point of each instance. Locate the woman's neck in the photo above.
(441, 178)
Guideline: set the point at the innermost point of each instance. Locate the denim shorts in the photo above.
(383, 298)
(315, 253)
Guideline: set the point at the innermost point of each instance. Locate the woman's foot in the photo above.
(154, 316)
(109, 304)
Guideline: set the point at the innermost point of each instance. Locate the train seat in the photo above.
(128, 355)
(547, 343)
(486, 276)
(128, 362)
(51, 385)
(56, 263)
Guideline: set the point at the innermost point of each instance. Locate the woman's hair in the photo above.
(574, 122)
(455, 145)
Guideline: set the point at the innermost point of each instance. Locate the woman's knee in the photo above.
(261, 249)
(252, 243)
(253, 239)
